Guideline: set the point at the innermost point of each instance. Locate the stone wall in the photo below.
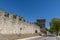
(9, 25)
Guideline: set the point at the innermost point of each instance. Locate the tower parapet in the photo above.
(41, 23)
(10, 16)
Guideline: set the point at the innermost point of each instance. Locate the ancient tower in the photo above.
(42, 23)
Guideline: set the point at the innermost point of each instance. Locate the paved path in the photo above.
(40, 38)
(57, 38)
(31, 38)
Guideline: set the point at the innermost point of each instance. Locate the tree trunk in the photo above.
(56, 33)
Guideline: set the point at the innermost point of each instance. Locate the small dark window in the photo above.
(35, 31)
(20, 19)
(20, 28)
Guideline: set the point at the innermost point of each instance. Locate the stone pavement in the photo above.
(57, 38)
(39, 38)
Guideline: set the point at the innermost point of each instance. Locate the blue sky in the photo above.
(33, 9)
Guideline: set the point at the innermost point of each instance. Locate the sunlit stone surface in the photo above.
(9, 25)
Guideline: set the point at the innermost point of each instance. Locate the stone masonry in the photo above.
(11, 25)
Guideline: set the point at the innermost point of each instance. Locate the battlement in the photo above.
(10, 16)
(14, 24)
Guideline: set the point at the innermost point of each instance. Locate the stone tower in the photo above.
(41, 22)
(42, 25)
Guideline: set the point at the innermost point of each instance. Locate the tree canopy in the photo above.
(55, 25)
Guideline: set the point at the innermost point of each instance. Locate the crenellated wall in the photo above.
(10, 25)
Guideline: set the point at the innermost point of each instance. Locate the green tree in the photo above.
(55, 25)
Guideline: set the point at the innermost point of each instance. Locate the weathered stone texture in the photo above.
(9, 25)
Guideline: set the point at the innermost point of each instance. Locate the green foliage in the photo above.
(55, 25)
